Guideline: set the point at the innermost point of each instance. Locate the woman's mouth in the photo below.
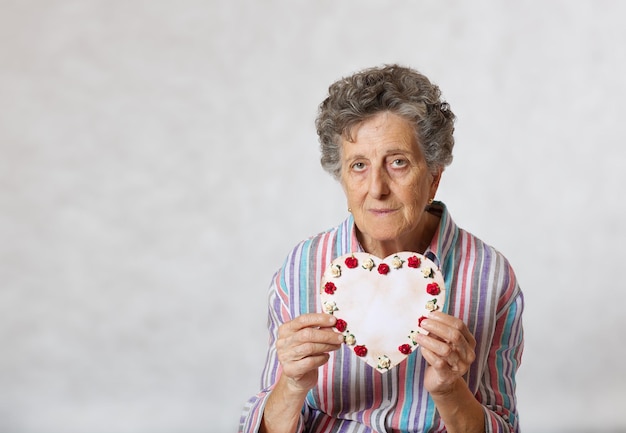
(382, 212)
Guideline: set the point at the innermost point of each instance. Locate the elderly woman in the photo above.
(386, 136)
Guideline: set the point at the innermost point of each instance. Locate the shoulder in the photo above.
(467, 249)
(328, 243)
(311, 255)
(473, 245)
(491, 269)
(297, 280)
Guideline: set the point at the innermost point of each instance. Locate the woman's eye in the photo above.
(399, 162)
(358, 166)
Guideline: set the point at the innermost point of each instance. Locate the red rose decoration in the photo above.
(420, 320)
(405, 348)
(352, 262)
(330, 288)
(383, 269)
(433, 289)
(414, 262)
(360, 350)
(341, 325)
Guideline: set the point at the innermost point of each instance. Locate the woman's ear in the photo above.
(435, 183)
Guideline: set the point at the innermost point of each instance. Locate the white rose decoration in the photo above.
(384, 363)
(368, 264)
(397, 262)
(432, 305)
(330, 307)
(413, 336)
(335, 270)
(350, 339)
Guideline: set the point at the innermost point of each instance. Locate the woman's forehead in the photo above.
(385, 133)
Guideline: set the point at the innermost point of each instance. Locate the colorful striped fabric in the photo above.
(351, 396)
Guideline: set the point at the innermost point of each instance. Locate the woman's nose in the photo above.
(379, 183)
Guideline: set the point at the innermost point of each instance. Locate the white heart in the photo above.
(381, 310)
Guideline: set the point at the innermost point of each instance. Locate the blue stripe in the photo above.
(408, 390)
(304, 270)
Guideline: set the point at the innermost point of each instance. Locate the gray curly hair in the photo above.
(393, 88)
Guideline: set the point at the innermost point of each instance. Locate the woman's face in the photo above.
(387, 183)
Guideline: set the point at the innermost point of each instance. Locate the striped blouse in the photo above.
(350, 395)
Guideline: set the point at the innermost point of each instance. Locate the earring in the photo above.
(350, 209)
(430, 201)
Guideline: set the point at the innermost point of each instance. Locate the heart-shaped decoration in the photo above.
(379, 303)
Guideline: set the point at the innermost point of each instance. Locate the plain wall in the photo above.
(158, 160)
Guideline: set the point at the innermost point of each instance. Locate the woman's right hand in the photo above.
(303, 345)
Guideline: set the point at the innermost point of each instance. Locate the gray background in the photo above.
(158, 160)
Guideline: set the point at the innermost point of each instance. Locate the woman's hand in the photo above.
(449, 349)
(303, 345)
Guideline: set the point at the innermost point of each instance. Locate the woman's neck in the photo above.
(417, 241)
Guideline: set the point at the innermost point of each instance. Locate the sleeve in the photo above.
(279, 313)
(497, 388)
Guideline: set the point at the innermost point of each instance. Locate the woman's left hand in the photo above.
(449, 349)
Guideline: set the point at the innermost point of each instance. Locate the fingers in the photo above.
(319, 320)
(449, 347)
(448, 328)
(307, 335)
(303, 344)
(307, 342)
